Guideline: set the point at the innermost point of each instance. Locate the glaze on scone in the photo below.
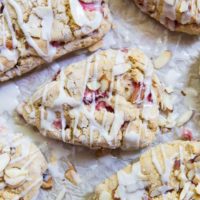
(166, 172)
(113, 99)
(176, 15)
(21, 168)
(35, 32)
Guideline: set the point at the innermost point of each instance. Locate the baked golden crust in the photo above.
(35, 32)
(21, 168)
(167, 171)
(111, 100)
(176, 15)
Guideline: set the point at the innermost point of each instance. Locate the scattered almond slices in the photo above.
(166, 102)
(96, 46)
(72, 175)
(184, 118)
(47, 184)
(15, 176)
(162, 60)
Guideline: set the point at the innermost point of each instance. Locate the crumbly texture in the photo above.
(111, 100)
(168, 171)
(179, 15)
(21, 168)
(35, 32)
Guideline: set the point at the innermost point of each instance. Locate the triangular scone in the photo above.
(35, 32)
(111, 100)
(166, 172)
(176, 15)
(22, 166)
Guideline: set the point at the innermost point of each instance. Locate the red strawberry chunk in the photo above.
(57, 43)
(186, 134)
(57, 124)
(149, 98)
(103, 104)
(91, 6)
(177, 164)
(88, 97)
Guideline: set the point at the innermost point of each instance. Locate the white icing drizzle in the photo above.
(24, 28)
(131, 185)
(168, 165)
(10, 26)
(81, 18)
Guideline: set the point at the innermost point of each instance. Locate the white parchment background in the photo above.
(132, 29)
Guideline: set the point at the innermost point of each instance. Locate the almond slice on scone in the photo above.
(167, 171)
(176, 15)
(35, 32)
(111, 100)
(22, 166)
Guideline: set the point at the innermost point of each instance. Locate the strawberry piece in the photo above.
(57, 43)
(88, 96)
(57, 124)
(103, 104)
(186, 134)
(91, 6)
(177, 164)
(149, 98)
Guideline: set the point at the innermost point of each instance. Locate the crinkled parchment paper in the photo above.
(132, 29)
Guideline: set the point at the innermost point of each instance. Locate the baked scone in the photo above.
(166, 172)
(176, 15)
(21, 168)
(113, 99)
(35, 32)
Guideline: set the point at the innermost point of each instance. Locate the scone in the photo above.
(35, 32)
(166, 172)
(21, 168)
(111, 100)
(176, 15)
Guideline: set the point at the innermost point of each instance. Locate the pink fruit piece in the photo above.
(57, 124)
(103, 104)
(91, 6)
(186, 134)
(177, 164)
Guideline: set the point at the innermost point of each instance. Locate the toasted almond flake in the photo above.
(162, 121)
(105, 196)
(48, 184)
(15, 172)
(72, 175)
(93, 85)
(4, 160)
(162, 60)
(184, 118)
(121, 68)
(96, 46)
(166, 102)
(190, 92)
(169, 90)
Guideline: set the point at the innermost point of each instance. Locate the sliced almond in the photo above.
(162, 60)
(184, 118)
(4, 160)
(15, 172)
(166, 103)
(121, 68)
(15, 182)
(93, 85)
(47, 184)
(105, 196)
(72, 175)
(105, 83)
(169, 90)
(96, 46)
